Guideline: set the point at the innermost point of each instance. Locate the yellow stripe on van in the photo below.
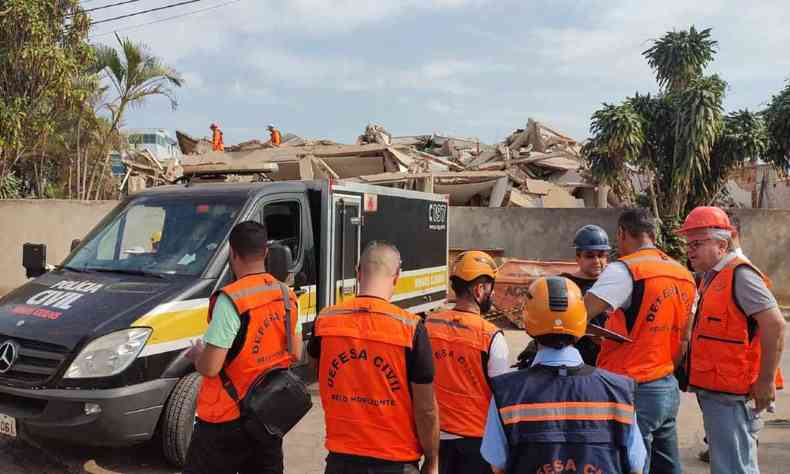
(176, 324)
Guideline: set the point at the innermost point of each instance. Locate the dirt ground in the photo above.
(304, 451)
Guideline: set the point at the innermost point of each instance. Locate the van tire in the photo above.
(178, 419)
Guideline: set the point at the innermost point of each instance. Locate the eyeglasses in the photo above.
(696, 244)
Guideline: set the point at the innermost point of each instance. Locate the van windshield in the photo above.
(159, 235)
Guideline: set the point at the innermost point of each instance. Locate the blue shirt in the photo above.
(495, 448)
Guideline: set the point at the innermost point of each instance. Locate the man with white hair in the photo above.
(735, 345)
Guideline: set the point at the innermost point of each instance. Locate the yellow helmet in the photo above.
(156, 237)
(555, 306)
(472, 264)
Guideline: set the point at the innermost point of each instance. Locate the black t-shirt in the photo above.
(584, 284)
(419, 359)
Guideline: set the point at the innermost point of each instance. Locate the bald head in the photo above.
(379, 269)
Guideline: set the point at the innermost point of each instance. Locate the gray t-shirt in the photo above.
(750, 291)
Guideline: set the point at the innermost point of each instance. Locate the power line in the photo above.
(110, 5)
(143, 12)
(161, 20)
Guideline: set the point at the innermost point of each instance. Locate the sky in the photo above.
(467, 68)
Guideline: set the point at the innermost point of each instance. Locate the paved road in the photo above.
(305, 452)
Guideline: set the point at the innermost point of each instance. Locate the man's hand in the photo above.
(763, 392)
(195, 350)
(430, 466)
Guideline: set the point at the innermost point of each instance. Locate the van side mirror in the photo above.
(279, 261)
(34, 259)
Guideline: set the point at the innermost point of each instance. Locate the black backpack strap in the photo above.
(227, 383)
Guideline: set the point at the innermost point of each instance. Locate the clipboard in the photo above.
(595, 330)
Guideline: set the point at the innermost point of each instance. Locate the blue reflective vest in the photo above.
(565, 419)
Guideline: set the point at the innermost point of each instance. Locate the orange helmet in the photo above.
(705, 217)
(555, 306)
(472, 264)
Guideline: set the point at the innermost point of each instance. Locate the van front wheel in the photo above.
(178, 419)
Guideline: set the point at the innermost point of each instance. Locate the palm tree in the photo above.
(680, 139)
(134, 75)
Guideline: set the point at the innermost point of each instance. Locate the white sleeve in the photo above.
(498, 356)
(614, 286)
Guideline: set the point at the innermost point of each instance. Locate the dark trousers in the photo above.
(462, 456)
(225, 448)
(348, 464)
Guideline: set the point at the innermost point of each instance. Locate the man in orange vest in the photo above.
(217, 143)
(274, 135)
(651, 296)
(375, 372)
(736, 342)
(246, 336)
(468, 351)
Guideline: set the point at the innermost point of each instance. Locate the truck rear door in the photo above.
(346, 246)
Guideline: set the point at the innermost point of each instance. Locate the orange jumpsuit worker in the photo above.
(216, 138)
(375, 375)
(736, 343)
(275, 136)
(468, 351)
(246, 337)
(651, 296)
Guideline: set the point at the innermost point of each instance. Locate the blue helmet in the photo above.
(591, 237)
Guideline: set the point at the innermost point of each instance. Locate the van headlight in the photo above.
(108, 355)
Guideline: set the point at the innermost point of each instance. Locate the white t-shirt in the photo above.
(498, 364)
(614, 286)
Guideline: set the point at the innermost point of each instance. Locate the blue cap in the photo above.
(591, 237)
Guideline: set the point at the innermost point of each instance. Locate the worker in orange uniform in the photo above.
(561, 415)
(275, 137)
(736, 342)
(249, 320)
(468, 351)
(651, 296)
(217, 144)
(375, 372)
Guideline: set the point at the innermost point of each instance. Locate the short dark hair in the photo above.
(556, 341)
(636, 222)
(249, 239)
(735, 221)
(462, 288)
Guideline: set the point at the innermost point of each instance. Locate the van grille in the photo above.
(37, 362)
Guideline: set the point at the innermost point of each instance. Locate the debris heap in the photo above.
(536, 166)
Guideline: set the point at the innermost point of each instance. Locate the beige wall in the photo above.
(52, 222)
(547, 234)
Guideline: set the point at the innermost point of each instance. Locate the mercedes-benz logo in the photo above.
(9, 351)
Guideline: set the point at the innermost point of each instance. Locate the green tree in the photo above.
(777, 118)
(679, 140)
(43, 53)
(134, 75)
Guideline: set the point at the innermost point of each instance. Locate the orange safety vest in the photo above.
(362, 376)
(276, 137)
(459, 341)
(661, 303)
(259, 301)
(725, 344)
(216, 141)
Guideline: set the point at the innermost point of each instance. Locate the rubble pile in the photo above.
(536, 166)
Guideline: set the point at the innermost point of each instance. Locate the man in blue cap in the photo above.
(592, 254)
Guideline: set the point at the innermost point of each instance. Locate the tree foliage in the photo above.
(680, 140)
(43, 52)
(63, 100)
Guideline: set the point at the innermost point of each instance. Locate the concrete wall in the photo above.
(52, 222)
(547, 234)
